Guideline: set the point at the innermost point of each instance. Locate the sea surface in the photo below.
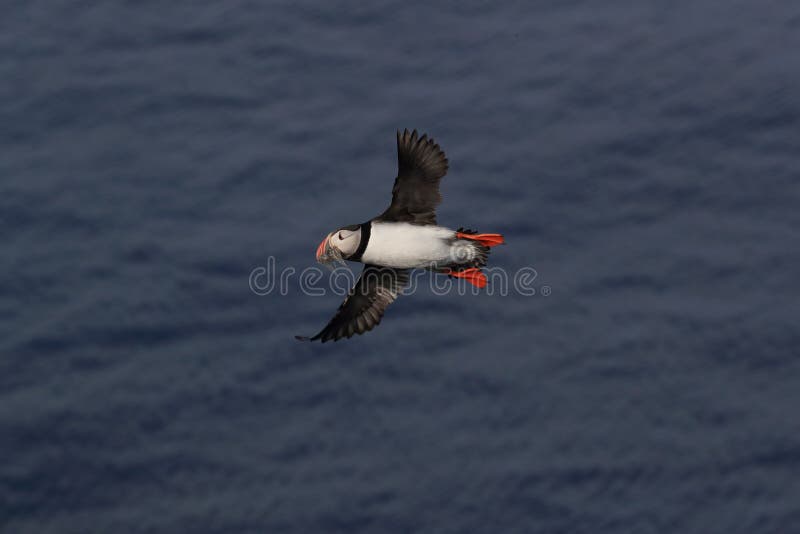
(641, 158)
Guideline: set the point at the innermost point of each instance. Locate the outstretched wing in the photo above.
(421, 164)
(363, 308)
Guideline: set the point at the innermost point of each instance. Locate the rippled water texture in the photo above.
(642, 156)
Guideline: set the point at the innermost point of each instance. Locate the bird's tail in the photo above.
(470, 270)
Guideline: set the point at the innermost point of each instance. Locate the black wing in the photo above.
(363, 308)
(421, 164)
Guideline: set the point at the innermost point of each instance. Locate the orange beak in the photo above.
(321, 247)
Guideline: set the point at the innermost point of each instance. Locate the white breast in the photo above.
(404, 245)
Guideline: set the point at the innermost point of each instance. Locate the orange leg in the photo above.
(472, 275)
(487, 240)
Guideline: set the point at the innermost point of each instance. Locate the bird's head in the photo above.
(339, 245)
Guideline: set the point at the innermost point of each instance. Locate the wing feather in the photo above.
(363, 308)
(421, 165)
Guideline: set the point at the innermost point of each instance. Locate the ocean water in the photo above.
(642, 157)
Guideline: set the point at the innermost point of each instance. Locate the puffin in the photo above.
(404, 237)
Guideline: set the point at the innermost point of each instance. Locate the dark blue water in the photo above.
(642, 157)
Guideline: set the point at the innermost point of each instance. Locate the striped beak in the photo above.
(323, 250)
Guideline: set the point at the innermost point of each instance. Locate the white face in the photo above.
(338, 245)
(346, 241)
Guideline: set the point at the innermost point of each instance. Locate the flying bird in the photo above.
(402, 238)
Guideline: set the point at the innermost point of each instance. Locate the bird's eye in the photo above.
(340, 237)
